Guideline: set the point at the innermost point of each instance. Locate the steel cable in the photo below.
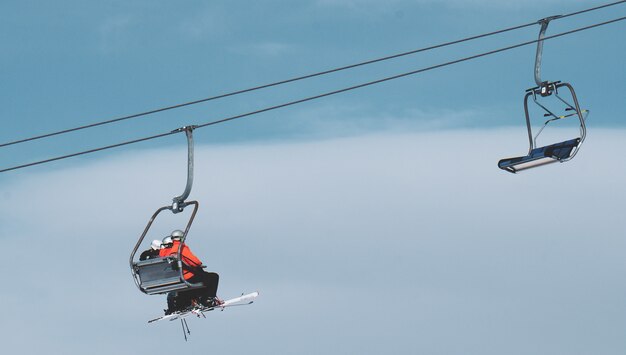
(320, 95)
(308, 76)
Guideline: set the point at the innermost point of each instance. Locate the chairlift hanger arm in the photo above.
(542, 33)
(178, 202)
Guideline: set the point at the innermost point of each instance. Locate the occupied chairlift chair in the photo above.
(557, 152)
(163, 275)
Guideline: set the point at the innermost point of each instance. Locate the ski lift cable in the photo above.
(407, 73)
(590, 9)
(91, 151)
(260, 87)
(320, 95)
(294, 79)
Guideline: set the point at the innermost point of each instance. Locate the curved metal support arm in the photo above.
(531, 142)
(581, 114)
(178, 202)
(143, 235)
(145, 231)
(544, 26)
(585, 113)
(179, 251)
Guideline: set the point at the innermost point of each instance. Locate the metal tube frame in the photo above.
(556, 85)
(542, 32)
(180, 246)
(178, 202)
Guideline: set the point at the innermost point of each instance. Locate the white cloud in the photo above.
(414, 233)
(357, 119)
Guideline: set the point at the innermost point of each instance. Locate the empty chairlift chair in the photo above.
(556, 152)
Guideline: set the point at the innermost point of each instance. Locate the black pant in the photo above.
(182, 299)
(210, 281)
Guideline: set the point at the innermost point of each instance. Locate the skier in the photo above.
(193, 273)
(152, 252)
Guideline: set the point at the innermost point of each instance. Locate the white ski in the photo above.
(198, 311)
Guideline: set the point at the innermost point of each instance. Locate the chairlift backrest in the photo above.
(159, 275)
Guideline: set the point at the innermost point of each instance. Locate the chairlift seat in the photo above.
(161, 275)
(541, 156)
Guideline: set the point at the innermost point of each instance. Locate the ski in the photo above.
(198, 311)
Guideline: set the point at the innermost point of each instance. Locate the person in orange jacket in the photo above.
(193, 273)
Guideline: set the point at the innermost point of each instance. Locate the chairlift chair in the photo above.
(165, 274)
(162, 275)
(552, 153)
(556, 152)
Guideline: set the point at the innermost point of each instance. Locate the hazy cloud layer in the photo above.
(396, 243)
(357, 119)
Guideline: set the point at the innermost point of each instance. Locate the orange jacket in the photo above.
(189, 260)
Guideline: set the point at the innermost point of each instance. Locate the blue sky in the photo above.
(393, 185)
(71, 63)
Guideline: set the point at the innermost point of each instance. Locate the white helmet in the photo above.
(167, 241)
(156, 244)
(177, 234)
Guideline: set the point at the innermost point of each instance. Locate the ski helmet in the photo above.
(167, 241)
(177, 234)
(156, 244)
